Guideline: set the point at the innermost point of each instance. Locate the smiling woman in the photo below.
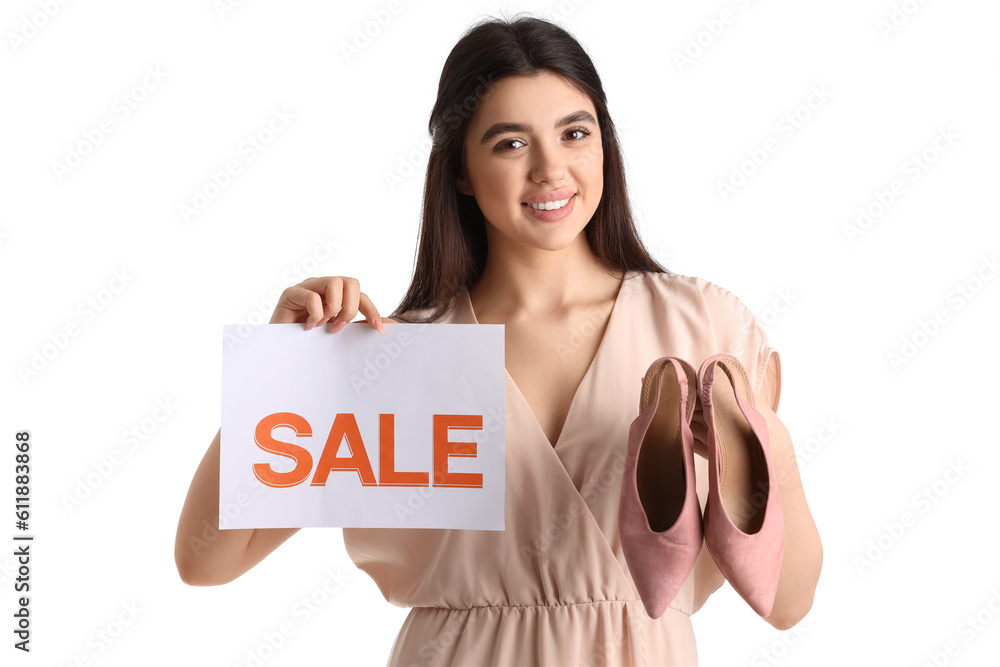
(539, 131)
(527, 223)
(512, 168)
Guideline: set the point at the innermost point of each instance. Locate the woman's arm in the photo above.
(205, 555)
(802, 556)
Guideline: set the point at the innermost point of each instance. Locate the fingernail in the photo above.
(378, 324)
(338, 326)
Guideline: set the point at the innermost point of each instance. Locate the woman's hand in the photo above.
(205, 555)
(316, 301)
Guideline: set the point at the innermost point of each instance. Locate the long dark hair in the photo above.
(451, 251)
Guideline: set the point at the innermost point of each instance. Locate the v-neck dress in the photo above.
(553, 588)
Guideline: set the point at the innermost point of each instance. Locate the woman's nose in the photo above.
(550, 163)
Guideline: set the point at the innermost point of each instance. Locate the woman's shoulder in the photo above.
(717, 313)
(695, 290)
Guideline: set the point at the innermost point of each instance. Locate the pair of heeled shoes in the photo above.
(659, 516)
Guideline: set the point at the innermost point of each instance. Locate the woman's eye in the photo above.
(503, 145)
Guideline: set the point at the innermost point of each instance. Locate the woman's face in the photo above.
(534, 139)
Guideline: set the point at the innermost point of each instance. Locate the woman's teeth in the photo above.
(550, 205)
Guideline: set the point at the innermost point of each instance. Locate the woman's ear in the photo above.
(462, 183)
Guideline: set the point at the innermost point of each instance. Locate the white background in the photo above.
(834, 308)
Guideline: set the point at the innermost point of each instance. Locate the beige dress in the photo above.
(554, 587)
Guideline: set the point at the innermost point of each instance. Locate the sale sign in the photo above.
(403, 429)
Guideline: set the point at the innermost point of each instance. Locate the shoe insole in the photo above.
(742, 470)
(660, 474)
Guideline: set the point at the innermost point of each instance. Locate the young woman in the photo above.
(527, 223)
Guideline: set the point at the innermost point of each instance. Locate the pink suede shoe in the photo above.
(744, 527)
(659, 516)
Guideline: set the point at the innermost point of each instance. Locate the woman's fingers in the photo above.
(298, 304)
(349, 302)
(314, 308)
(384, 320)
(332, 289)
(354, 300)
(700, 432)
(367, 308)
(318, 300)
(370, 312)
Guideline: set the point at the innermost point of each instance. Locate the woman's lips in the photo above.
(553, 215)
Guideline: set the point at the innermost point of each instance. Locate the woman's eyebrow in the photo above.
(502, 128)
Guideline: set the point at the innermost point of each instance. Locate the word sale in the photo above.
(346, 426)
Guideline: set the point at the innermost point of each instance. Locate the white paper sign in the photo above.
(397, 430)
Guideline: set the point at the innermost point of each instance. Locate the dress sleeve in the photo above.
(739, 333)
